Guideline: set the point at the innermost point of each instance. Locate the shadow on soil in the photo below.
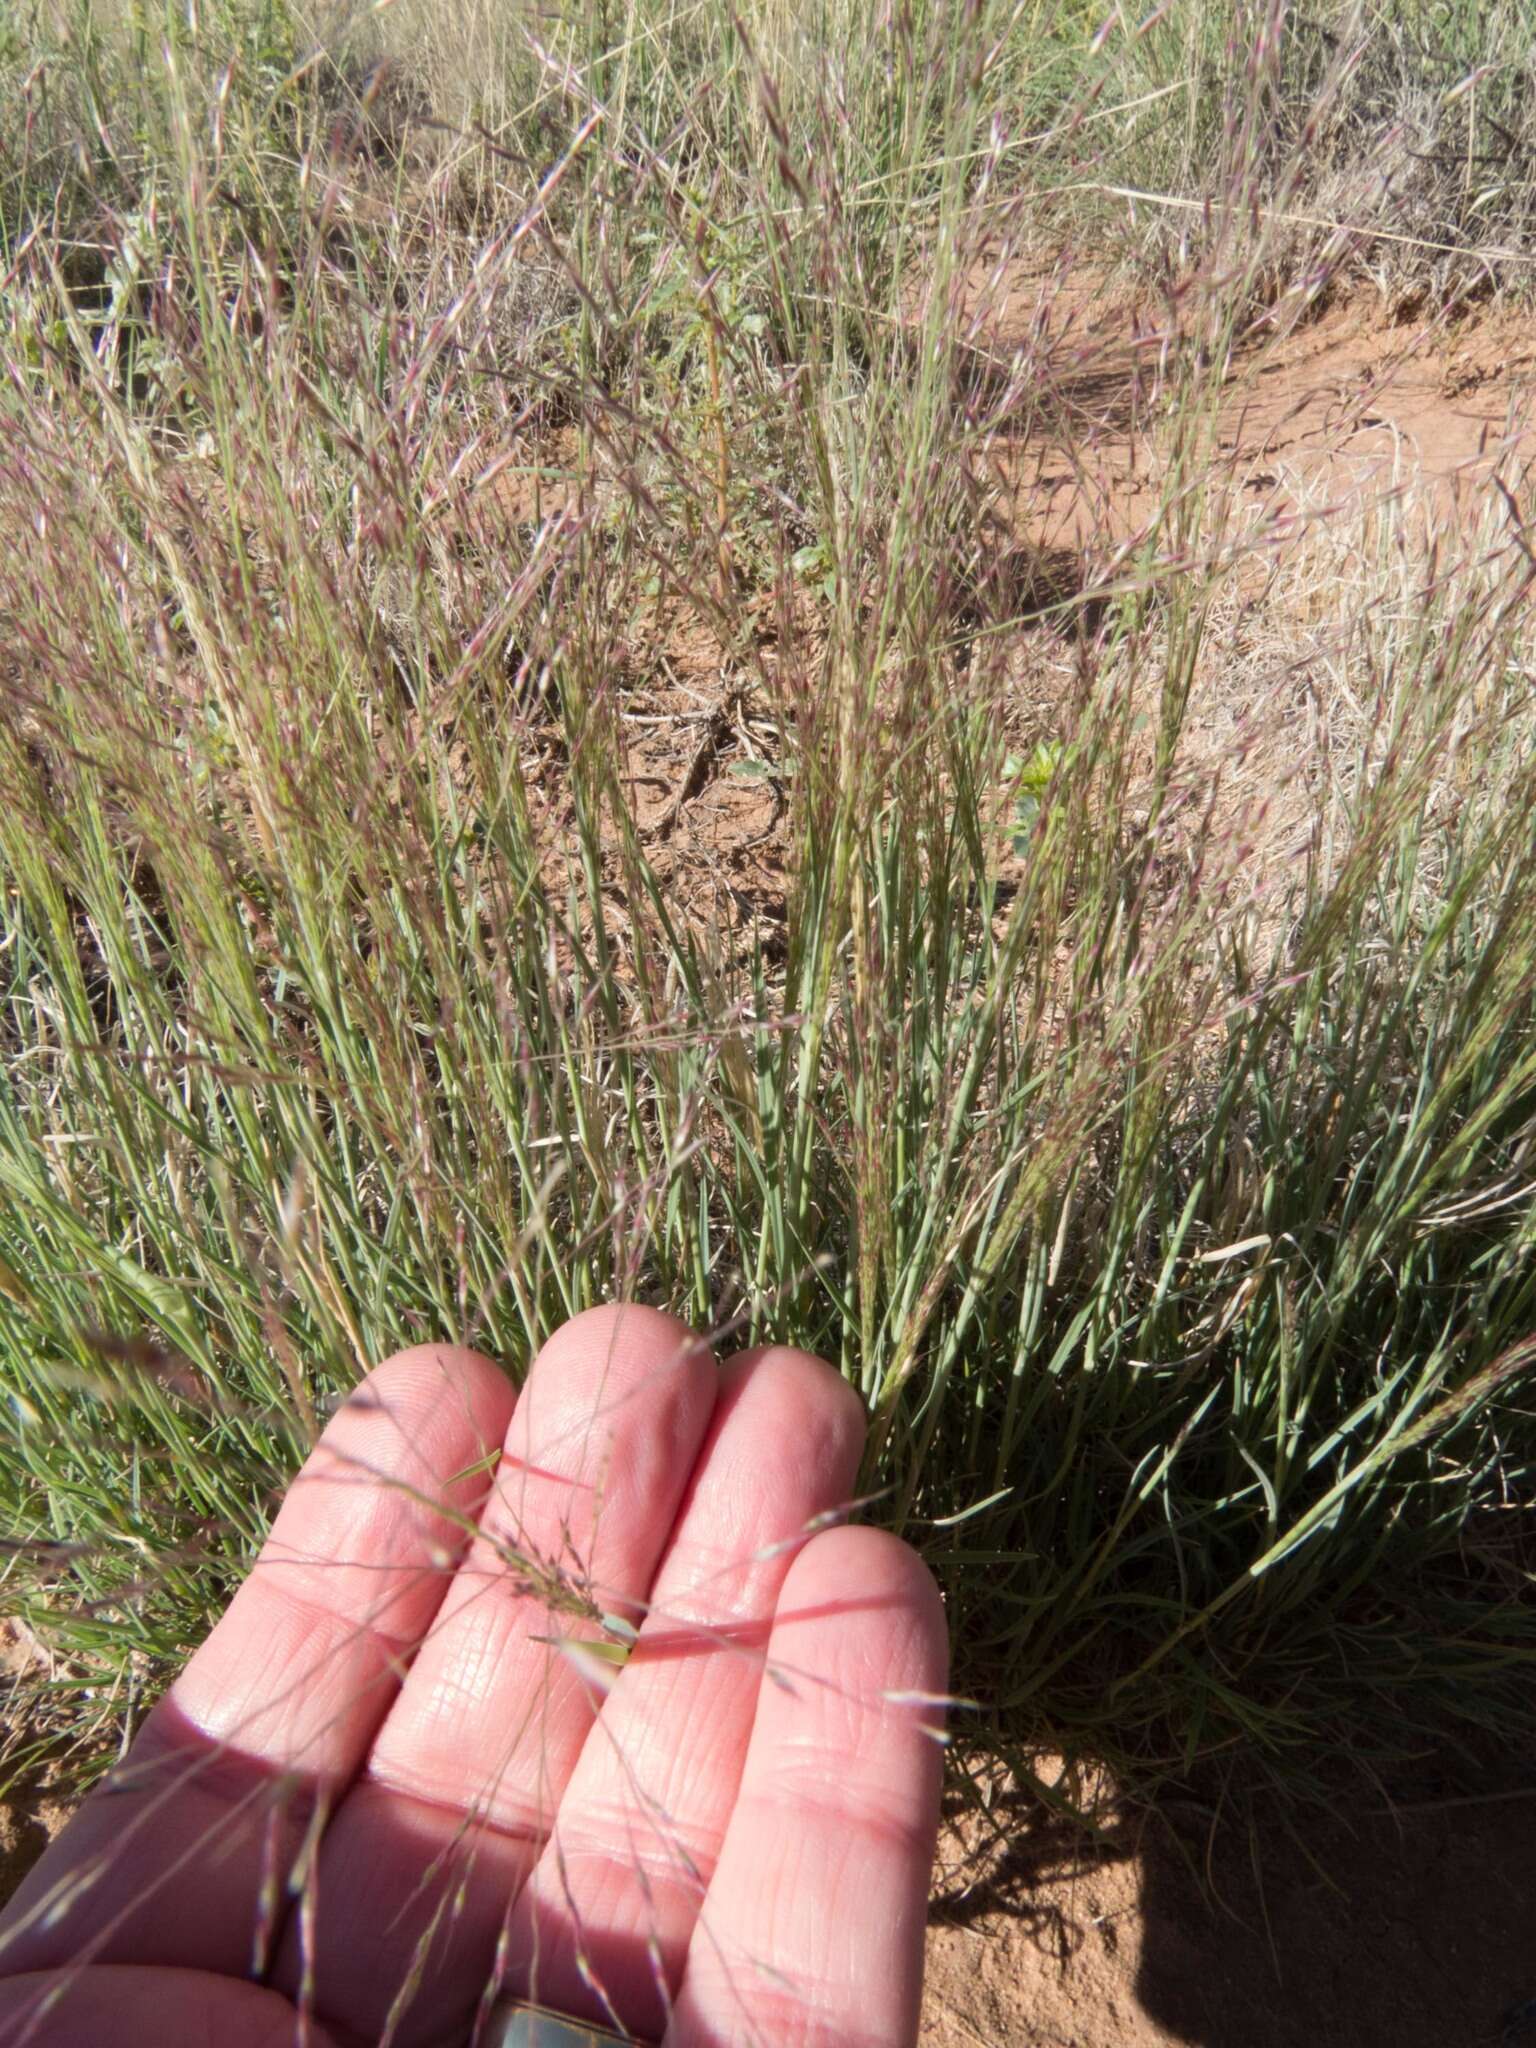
(1405, 1927)
(1416, 1928)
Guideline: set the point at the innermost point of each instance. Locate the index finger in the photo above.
(183, 1855)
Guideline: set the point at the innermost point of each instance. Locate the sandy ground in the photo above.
(1413, 1929)
(1316, 417)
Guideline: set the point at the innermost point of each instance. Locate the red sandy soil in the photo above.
(1413, 1928)
(1317, 416)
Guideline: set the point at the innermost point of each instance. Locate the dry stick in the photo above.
(1291, 218)
(720, 724)
(722, 457)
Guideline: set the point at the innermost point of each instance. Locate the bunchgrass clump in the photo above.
(378, 423)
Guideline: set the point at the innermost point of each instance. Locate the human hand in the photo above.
(388, 1786)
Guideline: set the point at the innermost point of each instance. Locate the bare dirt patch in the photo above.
(1350, 407)
(32, 1810)
(1320, 416)
(1413, 1929)
(29, 1820)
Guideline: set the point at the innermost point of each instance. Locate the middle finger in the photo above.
(603, 1927)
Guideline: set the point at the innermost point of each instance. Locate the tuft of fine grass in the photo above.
(374, 434)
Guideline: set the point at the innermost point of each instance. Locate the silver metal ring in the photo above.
(515, 2024)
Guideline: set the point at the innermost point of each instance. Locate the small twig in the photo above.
(720, 724)
(1516, 522)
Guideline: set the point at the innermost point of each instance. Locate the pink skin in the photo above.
(728, 1843)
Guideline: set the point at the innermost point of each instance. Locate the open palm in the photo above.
(412, 1768)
